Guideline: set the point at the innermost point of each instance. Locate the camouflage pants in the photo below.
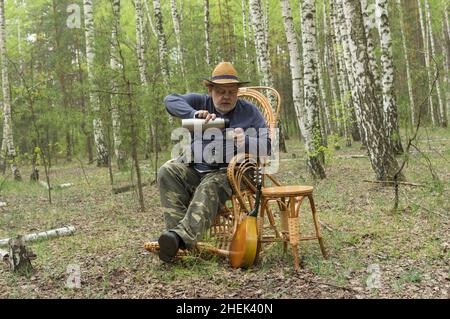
(191, 199)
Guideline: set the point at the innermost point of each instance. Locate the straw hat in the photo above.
(224, 73)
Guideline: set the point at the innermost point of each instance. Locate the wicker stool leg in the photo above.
(294, 231)
(317, 226)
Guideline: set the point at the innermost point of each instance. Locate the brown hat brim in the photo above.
(224, 81)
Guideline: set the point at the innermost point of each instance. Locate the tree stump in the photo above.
(19, 256)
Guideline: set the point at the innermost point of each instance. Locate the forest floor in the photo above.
(408, 249)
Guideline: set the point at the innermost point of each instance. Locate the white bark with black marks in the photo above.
(7, 147)
(412, 106)
(162, 44)
(115, 100)
(381, 154)
(260, 42)
(387, 65)
(180, 55)
(313, 137)
(426, 55)
(99, 136)
(207, 38)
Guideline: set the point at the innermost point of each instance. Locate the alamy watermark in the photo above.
(73, 272)
(215, 146)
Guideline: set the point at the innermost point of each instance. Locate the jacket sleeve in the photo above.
(184, 105)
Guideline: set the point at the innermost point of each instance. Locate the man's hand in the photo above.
(205, 115)
(239, 137)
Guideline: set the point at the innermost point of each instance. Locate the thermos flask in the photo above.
(219, 123)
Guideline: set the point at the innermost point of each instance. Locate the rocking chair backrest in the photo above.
(267, 100)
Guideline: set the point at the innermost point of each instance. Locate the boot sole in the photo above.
(168, 247)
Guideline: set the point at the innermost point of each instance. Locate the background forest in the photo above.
(365, 104)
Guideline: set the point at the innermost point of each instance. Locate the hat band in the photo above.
(220, 77)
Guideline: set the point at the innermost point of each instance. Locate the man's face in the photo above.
(224, 96)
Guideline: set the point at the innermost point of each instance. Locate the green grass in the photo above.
(410, 245)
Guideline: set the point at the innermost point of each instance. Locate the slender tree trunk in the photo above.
(263, 54)
(307, 115)
(7, 148)
(207, 40)
(387, 63)
(244, 29)
(115, 99)
(149, 19)
(406, 58)
(381, 154)
(445, 52)
(180, 56)
(163, 57)
(426, 54)
(60, 64)
(99, 136)
(442, 114)
(84, 129)
(369, 19)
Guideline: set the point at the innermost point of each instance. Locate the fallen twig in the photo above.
(393, 183)
(331, 285)
(64, 231)
(326, 226)
(123, 189)
(425, 209)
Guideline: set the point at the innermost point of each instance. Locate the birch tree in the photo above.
(180, 55)
(7, 148)
(381, 154)
(207, 40)
(387, 64)
(115, 101)
(307, 114)
(406, 59)
(442, 114)
(260, 42)
(445, 52)
(149, 19)
(162, 44)
(99, 139)
(244, 28)
(426, 55)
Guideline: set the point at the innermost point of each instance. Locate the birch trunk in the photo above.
(115, 100)
(406, 58)
(381, 154)
(99, 139)
(149, 19)
(328, 67)
(244, 29)
(427, 61)
(344, 87)
(260, 43)
(163, 58)
(63, 231)
(387, 64)
(311, 123)
(369, 24)
(8, 139)
(445, 52)
(351, 107)
(207, 40)
(180, 56)
(442, 113)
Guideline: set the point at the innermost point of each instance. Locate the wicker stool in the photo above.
(290, 198)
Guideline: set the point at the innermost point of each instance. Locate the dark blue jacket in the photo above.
(245, 115)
